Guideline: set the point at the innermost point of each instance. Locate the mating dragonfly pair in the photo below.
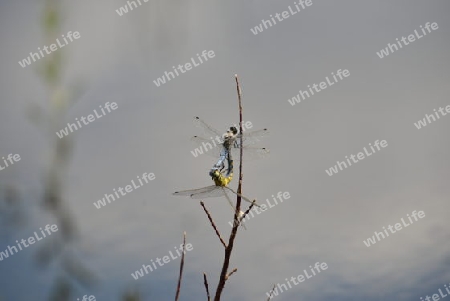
(228, 149)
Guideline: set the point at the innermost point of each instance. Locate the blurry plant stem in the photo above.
(50, 71)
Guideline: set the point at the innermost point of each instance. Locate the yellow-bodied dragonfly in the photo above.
(220, 188)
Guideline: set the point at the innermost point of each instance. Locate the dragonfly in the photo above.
(214, 144)
(211, 192)
(219, 189)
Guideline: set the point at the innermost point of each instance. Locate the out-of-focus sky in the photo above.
(327, 217)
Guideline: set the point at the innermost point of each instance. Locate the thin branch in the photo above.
(241, 218)
(206, 286)
(248, 210)
(181, 268)
(231, 273)
(229, 248)
(213, 224)
(271, 292)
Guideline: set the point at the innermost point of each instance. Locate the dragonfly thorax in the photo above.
(219, 179)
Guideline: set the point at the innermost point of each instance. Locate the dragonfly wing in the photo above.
(207, 146)
(195, 191)
(228, 199)
(250, 153)
(234, 209)
(213, 193)
(253, 137)
(243, 197)
(207, 129)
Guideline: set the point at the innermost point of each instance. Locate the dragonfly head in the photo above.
(233, 130)
(214, 173)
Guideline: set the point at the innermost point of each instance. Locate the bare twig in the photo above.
(181, 267)
(271, 292)
(206, 286)
(248, 210)
(241, 218)
(229, 248)
(231, 273)
(213, 224)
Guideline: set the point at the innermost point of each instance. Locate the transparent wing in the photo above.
(216, 192)
(253, 137)
(234, 209)
(201, 193)
(250, 137)
(208, 130)
(250, 153)
(229, 200)
(207, 146)
(195, 191)
(243, 197)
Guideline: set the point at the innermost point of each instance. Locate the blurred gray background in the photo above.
(326, 219)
